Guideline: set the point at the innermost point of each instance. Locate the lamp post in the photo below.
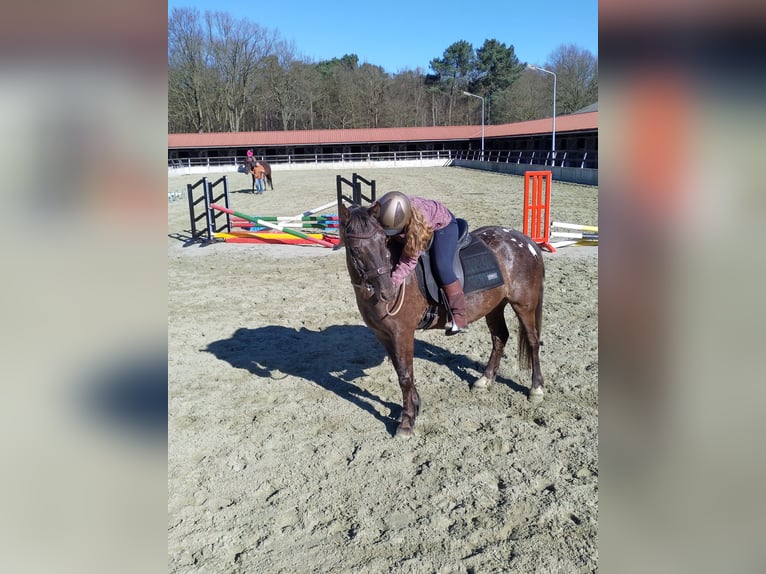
(482, 119)
(554, 107)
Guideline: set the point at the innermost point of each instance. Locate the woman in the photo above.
(413, 220)
(260, 173)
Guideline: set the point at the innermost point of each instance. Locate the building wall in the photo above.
(583, 176)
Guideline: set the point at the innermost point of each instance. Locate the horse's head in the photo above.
(367, 253)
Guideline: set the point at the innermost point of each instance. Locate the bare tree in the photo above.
(371, 84)
(577, 78)
(237, 48)
(281, 84)
(189, 83)
(227, 74)
(407, 101)
(529, 98)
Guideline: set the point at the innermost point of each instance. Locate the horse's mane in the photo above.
(360, 222)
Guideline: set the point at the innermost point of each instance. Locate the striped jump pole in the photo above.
(575, 226)
(317, 209)
(281, 225)
(577, 234)
(271, 225)
(281, 218)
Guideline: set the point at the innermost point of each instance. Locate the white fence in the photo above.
(587, 160)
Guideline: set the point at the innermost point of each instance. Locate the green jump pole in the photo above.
(271, 225)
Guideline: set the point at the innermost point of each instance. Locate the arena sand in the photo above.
(282, 405)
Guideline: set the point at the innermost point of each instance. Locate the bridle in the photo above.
(368, 275)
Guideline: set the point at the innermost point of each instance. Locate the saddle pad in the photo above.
(480, 268)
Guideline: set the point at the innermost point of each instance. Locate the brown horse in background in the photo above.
(250, 166)
(394, 315)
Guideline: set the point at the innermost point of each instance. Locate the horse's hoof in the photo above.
(482, 383)
(535, 393)
(402, 432)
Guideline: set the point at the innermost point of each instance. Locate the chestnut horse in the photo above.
(250, 166)
(394, 314)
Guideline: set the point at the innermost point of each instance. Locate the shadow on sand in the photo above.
(333, 358)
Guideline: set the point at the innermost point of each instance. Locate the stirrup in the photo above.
(452, 329)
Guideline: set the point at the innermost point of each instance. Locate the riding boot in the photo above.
(456, 303)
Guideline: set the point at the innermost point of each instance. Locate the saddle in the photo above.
(475, 265)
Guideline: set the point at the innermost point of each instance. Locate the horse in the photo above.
(394, 314)
(250, 166)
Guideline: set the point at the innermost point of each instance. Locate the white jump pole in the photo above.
(317, 209)
(575, 226)
(574, 235)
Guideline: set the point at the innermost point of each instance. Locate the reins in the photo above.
(400, 298)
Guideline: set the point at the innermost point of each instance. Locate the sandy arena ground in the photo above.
(282, 405)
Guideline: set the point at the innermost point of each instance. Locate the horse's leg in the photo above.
(499, 332)
(529, 344)
(401, 351)
(252, 190)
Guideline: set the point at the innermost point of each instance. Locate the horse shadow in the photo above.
(333, 358)
(248, 190)
(314, 356)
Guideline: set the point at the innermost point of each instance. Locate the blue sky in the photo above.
(398, 35)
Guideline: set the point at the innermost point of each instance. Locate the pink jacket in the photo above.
(437, 215)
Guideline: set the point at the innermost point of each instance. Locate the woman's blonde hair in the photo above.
(418, 234)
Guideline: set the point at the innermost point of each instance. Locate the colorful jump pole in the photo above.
(575, 226)
(280, 218)
(281, 224)
(575, 235)
(271, 225)
(315, 210)
(579, 234)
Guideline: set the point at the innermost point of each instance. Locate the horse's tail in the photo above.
(525, 348)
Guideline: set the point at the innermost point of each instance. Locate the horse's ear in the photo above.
(344, 213)
(375, 210)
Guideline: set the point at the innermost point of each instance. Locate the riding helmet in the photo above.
(395, 211)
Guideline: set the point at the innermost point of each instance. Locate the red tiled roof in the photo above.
(571, 123)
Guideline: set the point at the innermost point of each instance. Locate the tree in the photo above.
(529, 98)
(226, 74)
(287, 95)
(237, 48)
(189, 83)
(372, 85)
(577, 78)
(407, 102)
(456, 69)
(498, 68)
(337, 107)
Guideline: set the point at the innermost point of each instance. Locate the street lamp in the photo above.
(554, 106)
(482, 119)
